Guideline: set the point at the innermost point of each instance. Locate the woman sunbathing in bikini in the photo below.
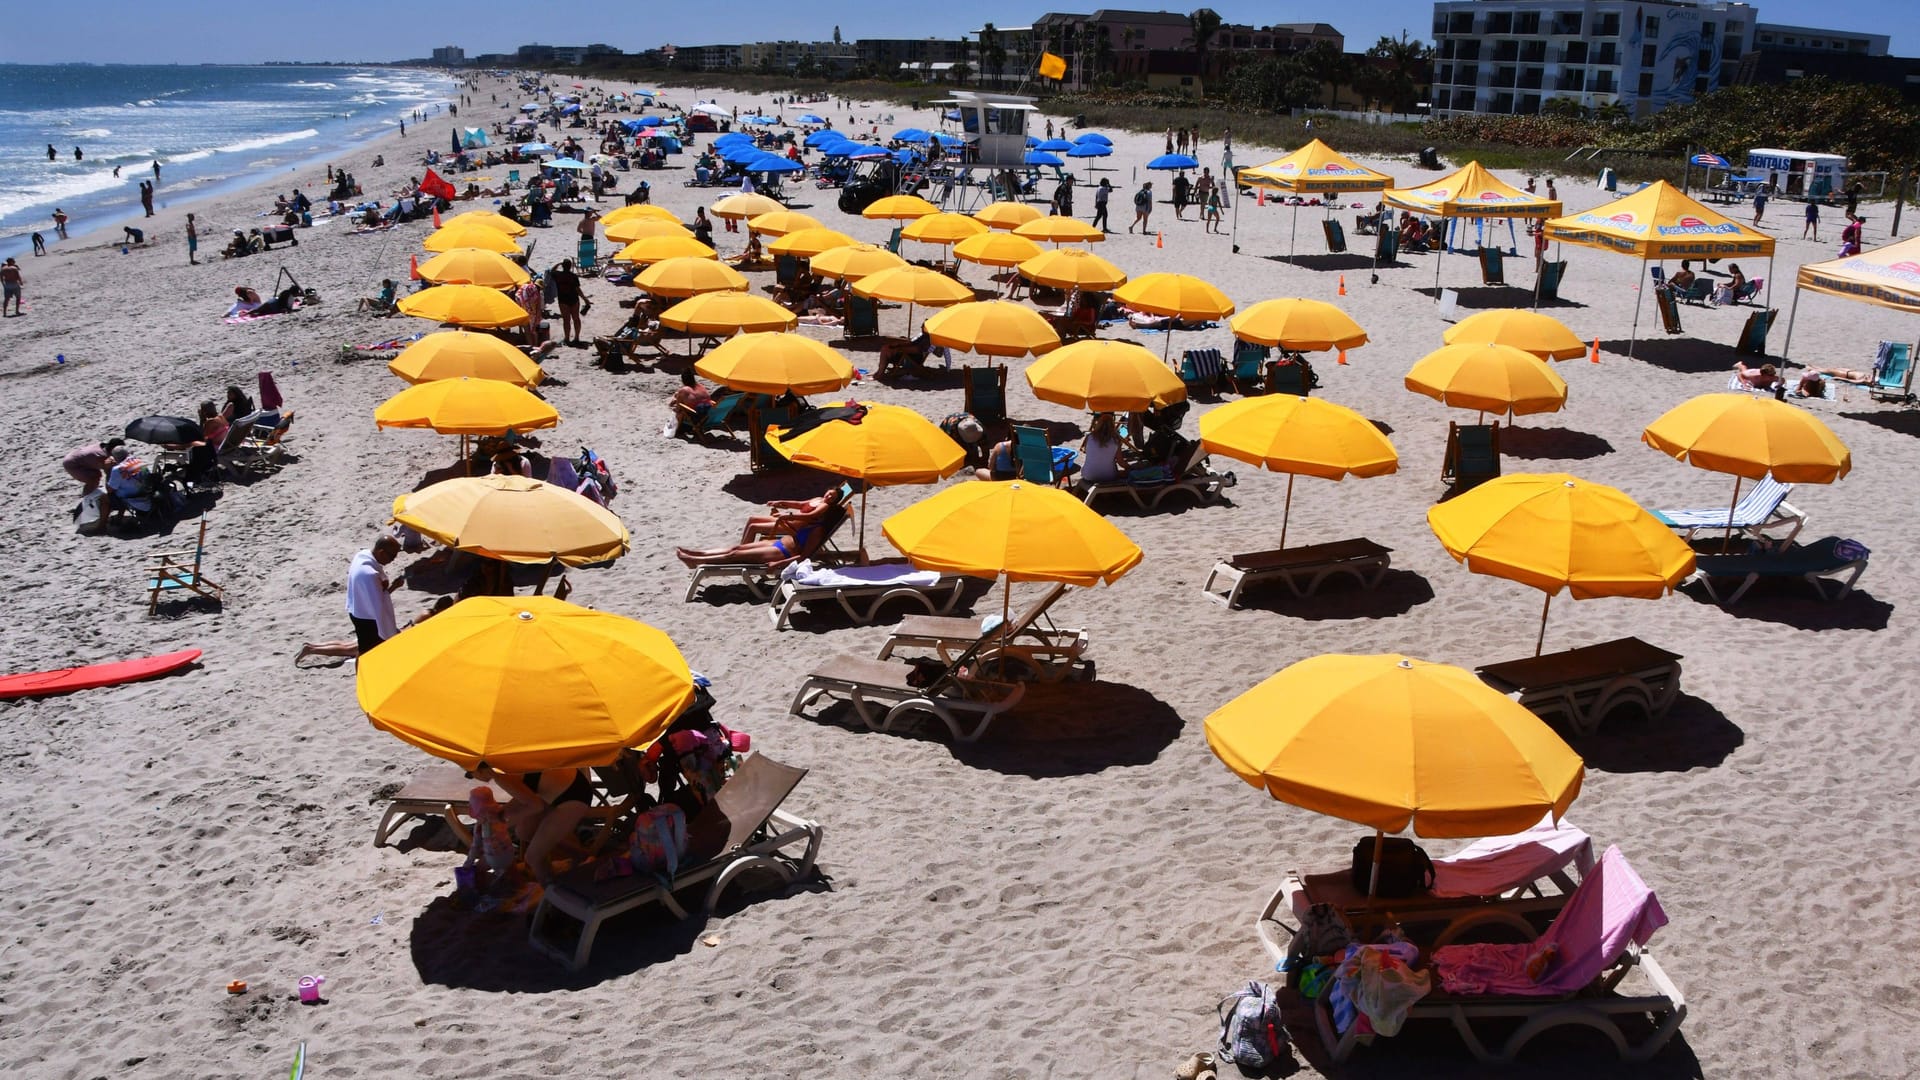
(790, 517)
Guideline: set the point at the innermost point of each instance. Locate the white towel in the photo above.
(805, 572)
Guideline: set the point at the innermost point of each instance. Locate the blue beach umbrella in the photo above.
(949, 140)
(530, 107)
(1054, 146)
(772, 163)
(1032, 143)
(567, 163)
(535, 148)
(633, 126)
(823, 137)
(734, 138)
(1041, 157)
(869, 152)
(762, 120)
(911, 135)
(1173, 161)
(953, 114)
(644, 93)
(738, 154)
(649, 121)
(1094, 137)
(809, 118)
(1090, 150)
(570, 110)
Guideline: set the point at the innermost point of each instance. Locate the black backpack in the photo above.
(1404, 868)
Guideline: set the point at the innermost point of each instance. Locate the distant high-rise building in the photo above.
(450, 55)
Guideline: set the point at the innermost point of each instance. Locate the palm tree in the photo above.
(1202, 25)
(993, 56)
(1410, 64)
(1326, 65)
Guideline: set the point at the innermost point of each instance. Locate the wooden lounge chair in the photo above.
(985, 390)
(1500, 881)
(1029, 646)
(1203, 370)
(864, 593)
(1580, 687)
(884, 691)
(1302, 568)
(1816, 563)
(1601, 934)
(1753, 335)
(440, 792)
(1472, 455)
(742, 829)
(1190, 476)
(1763, 514)
(1493, 268)
(761, 579)
(1336, 236)
(1669, 309)
(176, 570)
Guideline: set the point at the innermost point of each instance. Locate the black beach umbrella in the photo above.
(164, 429)
(456, 140)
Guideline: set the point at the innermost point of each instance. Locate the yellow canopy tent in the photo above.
(1659, 223)
(1886, 276)
(1315, 168)
(1470, 193)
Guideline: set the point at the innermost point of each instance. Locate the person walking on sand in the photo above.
(1759, 204)
(10, 285)
(1100, 195)
(60, 223)
(369, 603)
(193, 242)
(1142, 207)
(39, 244)
(1812, 225)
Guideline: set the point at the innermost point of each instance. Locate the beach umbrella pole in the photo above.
(1286, 513)
(1726, 543)
(1639, 295)
(1293, 240)
(1791, 312)
(860, 552)
(1373, 880)
(1541, 640)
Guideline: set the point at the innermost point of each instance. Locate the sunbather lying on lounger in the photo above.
(1845, 375)
(777, 551)
(1763, 377)
(790, 517)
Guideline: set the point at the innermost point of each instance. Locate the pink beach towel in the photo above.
(270, 398)
(1612, 909)
(1492, 866)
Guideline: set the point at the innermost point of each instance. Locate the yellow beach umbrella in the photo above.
(1012, 529)
(899, 208)
(457, 354)
(640, 212)
(466, 407)
(514, 519)
(992, 328)
(524, 684)
(473, 266)
(890, 445)
(1300, 437)
(854, 261)
(745, 205)
(1060, 230)
(1006, 215)
(727, 313)
(1177, 296)
(1553, 531)
(626, 232)
(470, 235)
(1105, 375)
(782, 222)
(1299, 326)
(1490, 378)
(689, 276)
(807, 243)
(776, 363)
(942, 229)
(1750, 437)
(464, 305)
(996, 249)
(912, 285)
(1390, 742)
(491, 220)
(1529, 331)
(1073, 268)
(655, 249)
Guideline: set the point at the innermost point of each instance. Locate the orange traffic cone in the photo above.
(1343, 358)
(1160, 239)
(413, 268)
(436, 217)
(1263, 195)
(1594, 356)
(1343, 284)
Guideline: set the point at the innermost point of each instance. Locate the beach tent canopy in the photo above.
(1888, 276)
(1658, 222)
(1315, 167)
(1471, 192)
(472, 137)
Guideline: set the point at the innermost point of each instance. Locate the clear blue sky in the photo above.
(196, 31)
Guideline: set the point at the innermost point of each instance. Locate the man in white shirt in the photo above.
(369, 603)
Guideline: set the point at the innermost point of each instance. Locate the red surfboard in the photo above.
(66, 680)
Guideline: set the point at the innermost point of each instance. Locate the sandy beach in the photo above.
(1069, 897)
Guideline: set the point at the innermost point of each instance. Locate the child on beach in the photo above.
(10, 286)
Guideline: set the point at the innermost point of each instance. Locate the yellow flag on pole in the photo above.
(1053, 67)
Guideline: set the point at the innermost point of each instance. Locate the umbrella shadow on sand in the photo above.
(1340, 597)
(1792, 602)
(1563, 444)
(1899, 421)
(1498, 296)
(1686, 355)
(1331, 262)
(1693, 734)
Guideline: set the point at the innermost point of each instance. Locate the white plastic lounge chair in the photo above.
(743, 828)
(1302, 568)
(884, 691)
(1601, 936)
(760, 579)
(1762, 513)
(1579, 687)
(1496, 881)
(863, 592)
(1030, 646)
(440, 792)
(1816, 563)
(1191, 476)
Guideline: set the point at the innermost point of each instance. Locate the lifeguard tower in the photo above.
(995, 127)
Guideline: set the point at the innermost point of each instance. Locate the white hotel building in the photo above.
(1513, 56)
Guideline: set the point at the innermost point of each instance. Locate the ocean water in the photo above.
(208, 126)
